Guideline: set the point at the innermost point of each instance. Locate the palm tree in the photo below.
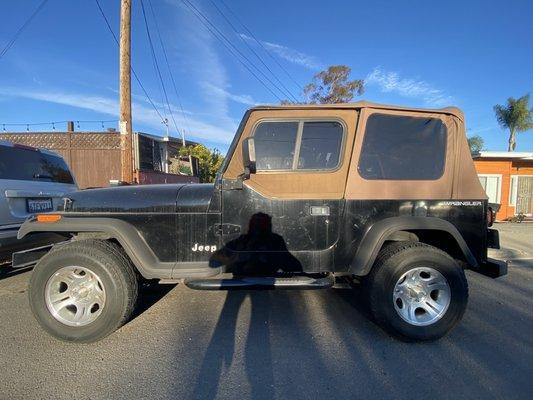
(515, 116)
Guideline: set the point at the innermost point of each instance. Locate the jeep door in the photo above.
(298, 188)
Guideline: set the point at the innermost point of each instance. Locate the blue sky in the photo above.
(471, 54)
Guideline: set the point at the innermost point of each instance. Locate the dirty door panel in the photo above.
(299, 184)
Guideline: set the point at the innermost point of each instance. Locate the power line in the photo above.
(170, 73)
(53, 123)
(229, 46)
(10, 44)
(156, 65)
(261, 44)
(154, 58)
(132, 70)
(239, 52)
(287, 91)
(160, 86)
(58, 122)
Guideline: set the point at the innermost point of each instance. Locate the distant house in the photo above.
(507, 178)
(94, 157)
(153, 163)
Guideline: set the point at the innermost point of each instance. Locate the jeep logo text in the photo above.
(199, 247)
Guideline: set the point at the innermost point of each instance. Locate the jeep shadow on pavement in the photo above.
(307, 193)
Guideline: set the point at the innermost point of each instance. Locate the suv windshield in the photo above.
(32, 165)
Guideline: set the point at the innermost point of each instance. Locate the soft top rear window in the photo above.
(399, 147)
(32, 165)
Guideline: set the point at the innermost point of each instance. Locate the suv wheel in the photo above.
(83, 291)
(416, 291)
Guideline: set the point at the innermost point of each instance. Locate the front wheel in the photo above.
(416, 291)
(83, 291)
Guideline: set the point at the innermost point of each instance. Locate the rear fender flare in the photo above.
(378, 233)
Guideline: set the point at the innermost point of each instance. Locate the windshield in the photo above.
(32, 165)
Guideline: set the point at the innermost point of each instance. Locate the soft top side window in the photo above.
(274, 145)
(298, 145)
(397, 147)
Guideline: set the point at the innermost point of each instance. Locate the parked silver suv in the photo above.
(31, 181)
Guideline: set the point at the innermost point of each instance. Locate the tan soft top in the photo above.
(363, 104)
(459, 180)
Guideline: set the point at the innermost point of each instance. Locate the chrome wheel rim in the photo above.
(75, 296)
(421, 296)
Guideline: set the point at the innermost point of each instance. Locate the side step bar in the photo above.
(492, 268)
(260, 282)
(29, 257)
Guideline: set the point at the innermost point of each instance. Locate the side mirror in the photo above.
(248, 156)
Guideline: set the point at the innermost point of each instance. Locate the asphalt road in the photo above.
(187, 344)
(516, 240)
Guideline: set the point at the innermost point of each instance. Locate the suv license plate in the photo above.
(39, 205)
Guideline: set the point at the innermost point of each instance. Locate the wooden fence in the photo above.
(93, 157)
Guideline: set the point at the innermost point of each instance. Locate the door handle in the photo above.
(319, 211)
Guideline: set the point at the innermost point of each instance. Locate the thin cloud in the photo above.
(475, 131)
(160, 106)
(391, 82)
(109, 106)
(205, 65)
(288, 54)
(238, 98)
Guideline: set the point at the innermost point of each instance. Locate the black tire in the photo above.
(116, 273)
(391, 264)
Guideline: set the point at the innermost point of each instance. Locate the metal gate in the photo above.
(523, 195)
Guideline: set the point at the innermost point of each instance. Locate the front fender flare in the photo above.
(376, 235)
(129, 238)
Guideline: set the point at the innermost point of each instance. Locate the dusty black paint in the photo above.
(196, 198)
(175, 220)
(290, 218)
(126, 199)
(360, 216)
(329, 243)
(258, 252)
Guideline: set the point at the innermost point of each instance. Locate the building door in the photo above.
(523, 195)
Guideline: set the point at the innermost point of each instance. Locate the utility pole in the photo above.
(126, 133)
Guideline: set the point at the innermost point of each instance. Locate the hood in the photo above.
(140, 199)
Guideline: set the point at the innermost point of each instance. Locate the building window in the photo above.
(403, 148)
(150, 157)
(315, 145)
(512, 190)
(491, 183)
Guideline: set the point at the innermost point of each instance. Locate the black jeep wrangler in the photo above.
(307, 195)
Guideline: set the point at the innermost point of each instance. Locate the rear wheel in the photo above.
(83, 291)
(416, 291)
